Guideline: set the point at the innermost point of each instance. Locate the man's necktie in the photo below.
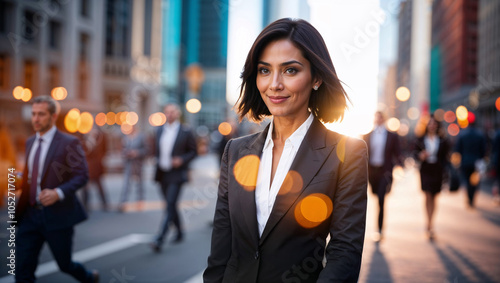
(34, 173)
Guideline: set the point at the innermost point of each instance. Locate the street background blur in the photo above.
(112, 64)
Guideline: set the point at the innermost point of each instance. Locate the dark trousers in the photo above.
(380, 182)
(170, 192)
(471, 188)
(31, 235)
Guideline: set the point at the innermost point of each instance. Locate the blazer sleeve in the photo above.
(347, 227)
(190, 151)
(75, 165)
(221, 234)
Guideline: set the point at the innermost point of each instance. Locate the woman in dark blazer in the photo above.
(432, 150)
(283, 191)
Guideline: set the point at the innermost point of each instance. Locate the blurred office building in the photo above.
(96, 56)
(194, 59)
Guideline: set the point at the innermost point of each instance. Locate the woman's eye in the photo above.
(263, 71)
(291, 71)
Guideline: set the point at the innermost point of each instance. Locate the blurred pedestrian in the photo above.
(175, 149)
(384, 153)
(7, 160)
(134, 151)
(283, 190)
(471, 145)
(95, 146)
(432, 150)
(48, 207)
(495, 161)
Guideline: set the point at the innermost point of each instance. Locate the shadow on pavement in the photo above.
(379, 267)
(455, 262)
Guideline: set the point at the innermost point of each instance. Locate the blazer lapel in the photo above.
(247, 197)
(50, 153)
(311, 155)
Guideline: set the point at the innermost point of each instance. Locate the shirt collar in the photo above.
(48, 136)
(297, 136)
(174, 125)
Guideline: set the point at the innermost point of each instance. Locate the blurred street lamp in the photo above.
(403, 93)
(193, 105)
(59, 93)
(17, 92)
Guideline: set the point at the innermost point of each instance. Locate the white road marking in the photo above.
(91, 253)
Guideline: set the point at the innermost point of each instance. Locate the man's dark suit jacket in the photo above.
(326, 163)
(471, 144)
(184, 147)
(65, 168)
(392, 154)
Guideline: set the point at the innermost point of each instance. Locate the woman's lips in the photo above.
(278, 99)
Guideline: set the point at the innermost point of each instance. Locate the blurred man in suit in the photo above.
(48, 207)
(175, 148)
(384, 154)
(471, 145)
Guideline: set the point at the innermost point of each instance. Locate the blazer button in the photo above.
(256, 254)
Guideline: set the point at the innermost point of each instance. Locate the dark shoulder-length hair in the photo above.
(328, 103)
(439, 131)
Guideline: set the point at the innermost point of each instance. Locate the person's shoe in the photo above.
(95, 276)
(155, 246)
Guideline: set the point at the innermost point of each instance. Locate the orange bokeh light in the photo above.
(17, 92)
(72, 120)
(26, 95)
(110, 118)
(497, 104)
(312, 210)
(453, 129)
(131, 118)
(449, 117)
(225, 128)
(293, 181)
(100, 119)
(157, 119)
(86, 122)
(246, 170)
(59, 93)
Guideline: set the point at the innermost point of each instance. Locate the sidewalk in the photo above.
(466, 248)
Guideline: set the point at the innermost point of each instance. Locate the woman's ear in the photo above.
(317, 83)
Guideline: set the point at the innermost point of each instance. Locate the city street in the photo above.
(466, 248)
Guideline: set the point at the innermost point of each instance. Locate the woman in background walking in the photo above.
(432, 150)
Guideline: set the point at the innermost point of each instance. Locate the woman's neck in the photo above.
(284, 127)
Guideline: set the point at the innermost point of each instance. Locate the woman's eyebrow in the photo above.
(282, 64)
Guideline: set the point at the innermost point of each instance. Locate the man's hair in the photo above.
(328, 103)
(54, 107)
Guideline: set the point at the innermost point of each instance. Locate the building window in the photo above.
(54, 77)
(5, 17)
(28, 28)
(83, 80)
(85, 6)
(4, 72)
(55, 35)
(118, 21)
(148, 22)
(84, 46)
(29, 75)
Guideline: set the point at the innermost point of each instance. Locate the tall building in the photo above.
(106, 54)
(195, 49)
(413, 57)
(48, 44)
(488, 89)
(454, 46)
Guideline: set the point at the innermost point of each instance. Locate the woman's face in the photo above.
(284, 80)
(432, 126)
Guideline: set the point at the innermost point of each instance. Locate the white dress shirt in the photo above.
(378, 139)
(431, 147)
(265, 193)
(167, 141)
(47, 140)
